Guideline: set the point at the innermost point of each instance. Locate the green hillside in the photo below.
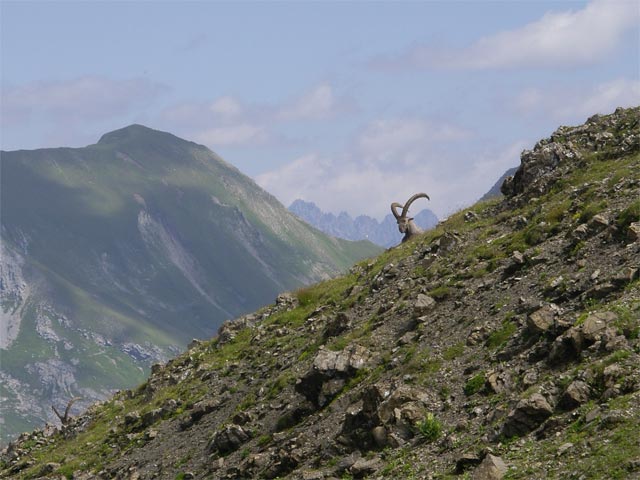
(116, 255)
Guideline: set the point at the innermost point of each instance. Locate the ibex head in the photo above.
(406, 224)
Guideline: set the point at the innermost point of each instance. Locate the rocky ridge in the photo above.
(502, 344)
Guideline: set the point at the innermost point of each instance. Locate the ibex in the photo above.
(66, 418)
(407, 225)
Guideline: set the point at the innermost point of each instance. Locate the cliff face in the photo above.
(503, 343)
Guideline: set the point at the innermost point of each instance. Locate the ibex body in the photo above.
(406, 224)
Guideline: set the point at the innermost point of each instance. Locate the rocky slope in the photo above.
(502, 344)
(116, 255)
(362, 227)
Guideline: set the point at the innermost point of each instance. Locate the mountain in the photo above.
(363, 227)
(501, 344)
(495, 190)
(116, 255)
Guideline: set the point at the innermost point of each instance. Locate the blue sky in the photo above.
(352, 105)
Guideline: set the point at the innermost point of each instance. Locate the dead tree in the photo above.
(65, 419)
(406, 224)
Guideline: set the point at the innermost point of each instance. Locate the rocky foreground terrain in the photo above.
(503, 344)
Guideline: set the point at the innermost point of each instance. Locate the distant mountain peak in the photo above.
(133, 132)
(363, 227)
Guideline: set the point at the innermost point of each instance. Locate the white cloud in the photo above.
(226, 120)
(241, 134)
(318, 103)
(78, 100)
(557, 40)
(393, 140)
(364, 181)
(575, 104)
(226, 106)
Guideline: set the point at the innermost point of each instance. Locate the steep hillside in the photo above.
(502, 344)
(116, 255)
(362, 227)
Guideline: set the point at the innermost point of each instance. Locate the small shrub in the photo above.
(264, 440)
(629, 215)
(590, 211)
(430, 428)
(474, 384)
(502, 335)
(440, 293)
(454, 351)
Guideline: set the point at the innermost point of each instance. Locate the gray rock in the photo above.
(598, 223)
(543, 319)
(577, 393)
(151, 417)
(354, 357)
(466, 461)
(633, 232)
(528, 414)
(379, 435)
(229, 439)
(337, 325)
(595, 325)
(499, 382)
(131, 417)
(491, 468)
(363, 467)
(422, 305)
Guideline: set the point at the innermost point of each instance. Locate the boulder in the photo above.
(151, 417)
(633, 232)
(577, 393)
(229, 439)
(364, 467)
(596, 324)
(422, 305)
(527, 415)
(337, 325)
(542, 319)
(491, 468)
(329, 373)
(352, 358)
(466, 461)
(499, 382)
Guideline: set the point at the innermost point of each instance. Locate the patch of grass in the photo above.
(590, 210)
(454, 351)
(264, 440)
(628, 322)
(441, 292)
(474, 384)
(501, 336)
(430, 428)
(629, 215)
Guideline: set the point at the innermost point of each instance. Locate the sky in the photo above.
(352, 105)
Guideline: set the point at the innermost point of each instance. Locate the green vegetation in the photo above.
(501, 336)
(454, 351)
(629, 215)
(430, 428)
(475, 384)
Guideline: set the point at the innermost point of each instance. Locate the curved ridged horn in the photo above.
(411, 200)
(394, 206)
